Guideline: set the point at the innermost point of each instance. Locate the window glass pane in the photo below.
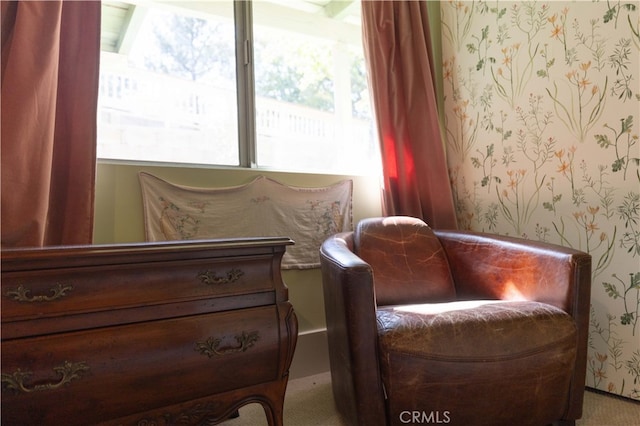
(168, 89)
(168, 85)
(312, 104)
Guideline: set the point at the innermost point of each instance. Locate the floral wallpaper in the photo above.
(542, 111)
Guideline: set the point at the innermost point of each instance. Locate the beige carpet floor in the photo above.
(309, 402)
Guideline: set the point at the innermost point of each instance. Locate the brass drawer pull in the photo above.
(211, 346)
(67, 372)
(210, 277)
(21, 294)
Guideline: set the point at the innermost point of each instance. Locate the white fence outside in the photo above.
(151, 117)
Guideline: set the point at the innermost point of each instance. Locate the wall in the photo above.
(119, 219)
(542, 108)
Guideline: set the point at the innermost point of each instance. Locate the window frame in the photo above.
(245, 86)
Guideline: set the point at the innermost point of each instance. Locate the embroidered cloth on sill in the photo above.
(261, 208)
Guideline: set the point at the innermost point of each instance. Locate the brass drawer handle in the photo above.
(21, 294)
(211, 346)
(210, 277)
(67, 372)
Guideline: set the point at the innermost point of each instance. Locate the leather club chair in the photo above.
(451, 327)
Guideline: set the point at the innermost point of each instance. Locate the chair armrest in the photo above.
(350, 310)
(501, 267)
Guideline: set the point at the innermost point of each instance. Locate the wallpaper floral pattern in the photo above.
(542, 109)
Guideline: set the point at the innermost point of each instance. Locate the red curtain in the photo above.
(50, 73)
(398, 53)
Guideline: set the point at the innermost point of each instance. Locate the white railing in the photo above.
(147, 110)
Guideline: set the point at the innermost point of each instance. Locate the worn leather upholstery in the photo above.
(408, 262)
(454, 327)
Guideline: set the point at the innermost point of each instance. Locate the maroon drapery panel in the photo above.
(398, 54)
(50, 75)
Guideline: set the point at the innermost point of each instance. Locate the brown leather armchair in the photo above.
(454, 327)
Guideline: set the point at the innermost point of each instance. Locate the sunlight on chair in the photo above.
(438, 308)
(511, 292)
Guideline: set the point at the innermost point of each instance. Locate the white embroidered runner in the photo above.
(261, 208)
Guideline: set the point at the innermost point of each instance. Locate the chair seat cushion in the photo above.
(480, 330)
(453, 357)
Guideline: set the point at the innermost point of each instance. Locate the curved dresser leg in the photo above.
(273, 410)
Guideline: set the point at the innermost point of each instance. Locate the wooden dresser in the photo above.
(145, 334)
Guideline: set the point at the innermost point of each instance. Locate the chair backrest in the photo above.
(408, 262)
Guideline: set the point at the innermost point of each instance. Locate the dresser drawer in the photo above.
(68, 291)
(88, 376)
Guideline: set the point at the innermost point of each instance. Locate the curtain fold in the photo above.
(398, 54)
(50, 77)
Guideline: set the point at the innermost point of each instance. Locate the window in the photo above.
(173, 89)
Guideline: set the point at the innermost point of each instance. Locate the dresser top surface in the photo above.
(104, 254)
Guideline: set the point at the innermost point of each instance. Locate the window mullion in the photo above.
(245, 83)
